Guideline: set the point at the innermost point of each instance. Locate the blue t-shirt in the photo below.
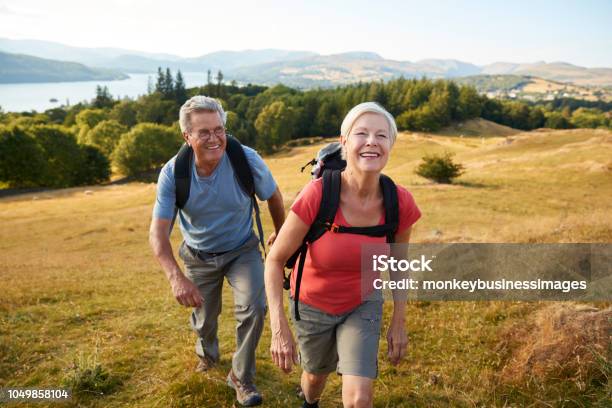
(218, 214)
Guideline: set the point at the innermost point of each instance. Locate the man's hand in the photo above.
(185, 292)
(397, 341)
(271, 239)
(283, 348)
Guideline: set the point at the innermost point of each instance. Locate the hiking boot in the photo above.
(204, 364)
(246, 393)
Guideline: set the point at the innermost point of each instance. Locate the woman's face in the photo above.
(368, 143)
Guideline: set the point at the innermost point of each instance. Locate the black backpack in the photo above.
(235, 153)
(330, 201)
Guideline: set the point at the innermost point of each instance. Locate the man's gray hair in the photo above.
(199, 103)
(368, 107)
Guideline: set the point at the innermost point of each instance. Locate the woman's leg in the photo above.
(312, 386)
(357, 392)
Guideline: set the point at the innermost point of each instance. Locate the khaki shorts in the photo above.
(346, 343)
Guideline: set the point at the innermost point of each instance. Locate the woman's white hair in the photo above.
(367, 107)
(199, 103)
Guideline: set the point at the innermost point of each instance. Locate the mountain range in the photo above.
(298, 68)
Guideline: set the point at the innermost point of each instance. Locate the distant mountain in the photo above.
(554, 71)
(301, 68)
(449, 67)
(17, 68)
(143, 62)
(330, 70)
(233, 59)
(87, 56)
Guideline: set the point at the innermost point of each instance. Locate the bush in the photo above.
(145, 147)
(94, 167)
(105, 136)
(61, 153)
(90, 117)
(22, 159)
(439, 168)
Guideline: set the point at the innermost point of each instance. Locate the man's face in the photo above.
(207, 136)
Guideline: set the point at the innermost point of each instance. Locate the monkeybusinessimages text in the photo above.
(385, 263)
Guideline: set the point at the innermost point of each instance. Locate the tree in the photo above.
(90, 117)
(22, 159)
(275, 124)
(145, 147)
(440, 105)
(168, 85)
(124, 112)
(180, 93)
(103, 98)
(152, 108)
(160, 84)
(423, 119)
(219, 79)
(588, 118)
(61, 153)
(536, 118)
(327, 122)
(469, 103)
(105, 136)
(94, 167)
(556, 120)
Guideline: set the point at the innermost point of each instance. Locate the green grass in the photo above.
(81, 289)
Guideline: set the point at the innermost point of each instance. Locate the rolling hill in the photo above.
(17, 68)
(101, 300)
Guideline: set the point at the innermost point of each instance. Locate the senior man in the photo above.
(219, 242)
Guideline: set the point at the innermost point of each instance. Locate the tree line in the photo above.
(131, 136)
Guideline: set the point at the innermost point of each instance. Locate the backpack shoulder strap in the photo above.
(391, 203)
(240, 164)
(330, 201)
(182, 174)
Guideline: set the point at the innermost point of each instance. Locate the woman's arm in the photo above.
(290, 237)
(397, 339)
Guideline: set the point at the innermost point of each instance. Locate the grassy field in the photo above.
(85, 305)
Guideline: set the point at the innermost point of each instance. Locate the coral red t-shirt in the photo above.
(331, 279)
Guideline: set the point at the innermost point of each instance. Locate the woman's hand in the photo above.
(282, 347)
(397, 340)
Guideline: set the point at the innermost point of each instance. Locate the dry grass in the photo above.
(562, 341)
(80, 284)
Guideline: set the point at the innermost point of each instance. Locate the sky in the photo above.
(480, 32)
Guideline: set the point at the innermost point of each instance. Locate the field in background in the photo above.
(81, 288)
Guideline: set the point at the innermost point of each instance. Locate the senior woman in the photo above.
(339, 329)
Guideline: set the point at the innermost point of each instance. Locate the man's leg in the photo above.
(209, 280)
(312, 386)
(245, 275)
(357, 392)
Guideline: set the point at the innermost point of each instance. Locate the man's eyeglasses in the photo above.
(205, 134)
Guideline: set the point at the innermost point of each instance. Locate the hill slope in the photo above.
(16, 68)
(99, 297)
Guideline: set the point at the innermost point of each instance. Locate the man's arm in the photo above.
(276, 207)
(185, 292)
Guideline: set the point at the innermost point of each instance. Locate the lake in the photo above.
(36, 96)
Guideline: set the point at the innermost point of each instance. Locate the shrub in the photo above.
(90, 117)
(145, 147)
(22, 159)
(439, 168)
(94, 167)
(105, 136)
(62, 154)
